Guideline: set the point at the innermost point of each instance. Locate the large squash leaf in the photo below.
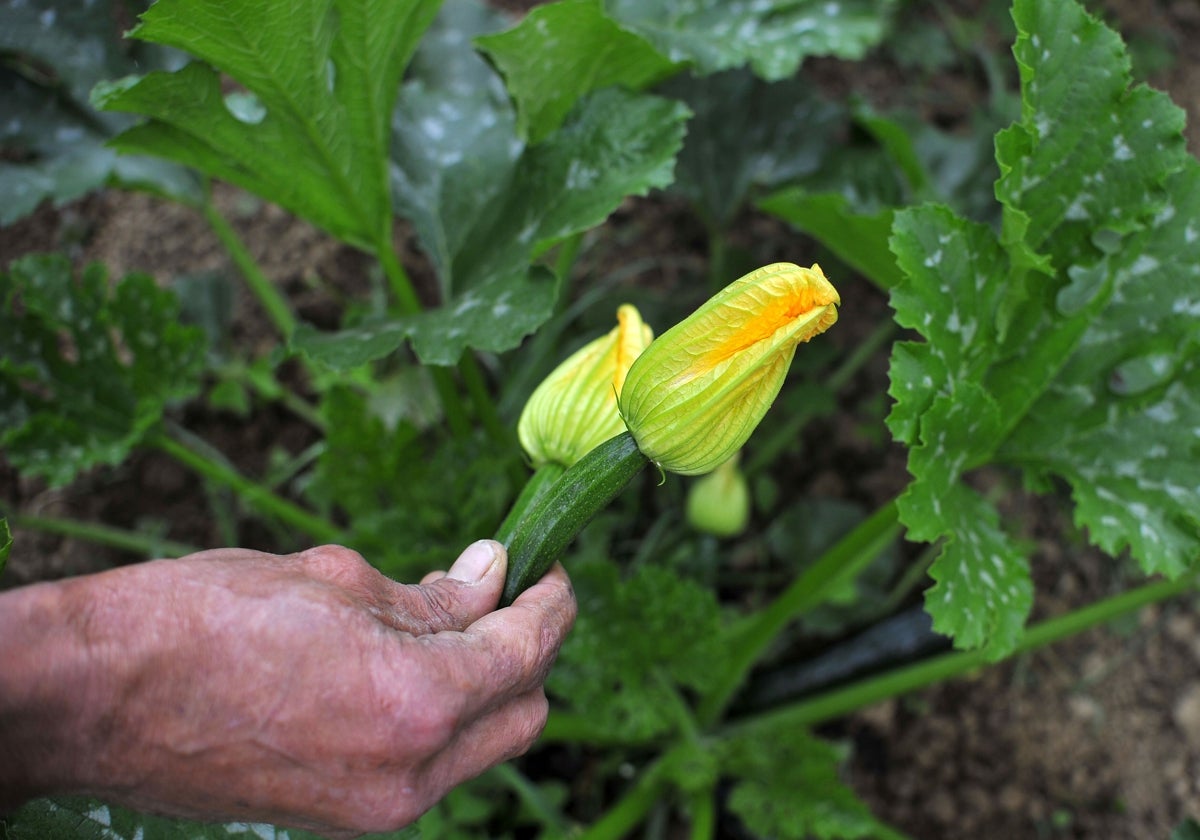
(311, 131)
(54, 51)
(485, 204)
(1066, 346)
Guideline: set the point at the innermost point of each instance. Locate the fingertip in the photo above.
(478, 561)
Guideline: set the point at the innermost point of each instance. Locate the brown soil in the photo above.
(1096, 737)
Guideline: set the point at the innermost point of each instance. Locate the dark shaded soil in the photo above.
(1096, 737)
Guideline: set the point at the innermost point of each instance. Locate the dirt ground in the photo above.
(1095, 737)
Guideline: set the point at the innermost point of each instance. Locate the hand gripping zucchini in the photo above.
(559, 513)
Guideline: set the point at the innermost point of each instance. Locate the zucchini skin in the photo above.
(559, 514)
(540, 483)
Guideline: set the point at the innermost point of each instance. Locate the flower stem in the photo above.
(254, 494)
(751, 637)
(841, 701)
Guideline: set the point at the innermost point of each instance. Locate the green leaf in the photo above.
(1066, 348)
(1130, 449)
(634, 642)
(312, 132)
(52, 138)
(5, 543)
(485, 205)
(858, 239)
(86, 368)
(749, 135)
(90, 819)
(561, 52)
(1119, 142)
(1189, 829)
(773, 37)
(787, 785)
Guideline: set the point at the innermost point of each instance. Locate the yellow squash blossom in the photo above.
(575, 408)
(694, 396)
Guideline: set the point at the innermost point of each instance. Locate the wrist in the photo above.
(50, 697)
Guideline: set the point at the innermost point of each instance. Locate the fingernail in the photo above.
(473, 563)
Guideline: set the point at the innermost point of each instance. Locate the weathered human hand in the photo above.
(305, 689)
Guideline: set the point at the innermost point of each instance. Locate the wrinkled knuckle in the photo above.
(431, 728)
(438, 607)
(334, 562)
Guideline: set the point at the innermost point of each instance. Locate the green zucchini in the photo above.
(540, 483)
(559, 514)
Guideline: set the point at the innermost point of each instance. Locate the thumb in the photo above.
(467, 592)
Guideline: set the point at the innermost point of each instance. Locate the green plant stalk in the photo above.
(410, 304)
(752, 635)
(532, 798)
(841, 701)
(269, 297)
(564, 262)
(573, 728)
(631, 808)
(543, 478)
(253, 493)
(557, 517)
(619, 820)
(144, 544)
(485, 407)
(398, 280)
(704, 815)
(240, 372)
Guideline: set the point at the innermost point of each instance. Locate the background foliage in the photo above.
(1040, 266)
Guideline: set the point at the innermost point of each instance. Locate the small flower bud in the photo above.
(719, 503)
(574, 410)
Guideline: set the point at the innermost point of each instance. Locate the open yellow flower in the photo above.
(575, 408)
(695, 395)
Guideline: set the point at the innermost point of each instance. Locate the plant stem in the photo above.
(533, 799)
(406, 299)
(253, 493)
(564, 261)
(269, 297)
(839, 702)
(704, 815)
(485, 406)
(620, 819)
(573, 728)
(146, 544)
(754, 634)
(398, 280)
(718, 259)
